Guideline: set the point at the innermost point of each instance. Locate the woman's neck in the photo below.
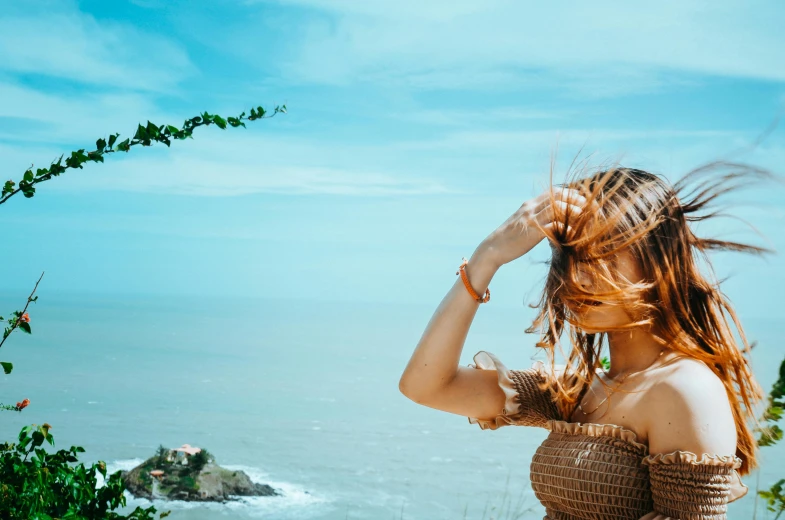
(632, 350)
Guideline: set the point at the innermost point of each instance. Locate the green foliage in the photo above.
(198, 461)
(775, 501)
(770, 434)
(160, 455)
(17, 322)
(36, 484)
(187, 483)
(179, 480)
(145, 135)
(146, 479)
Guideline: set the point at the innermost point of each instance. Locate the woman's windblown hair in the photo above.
(640, 213)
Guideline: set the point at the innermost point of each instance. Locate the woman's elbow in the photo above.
(405, 387)
(411, 389)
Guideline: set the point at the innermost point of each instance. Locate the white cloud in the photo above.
(77, 117)
(573, 138)
(261, 159)
(59, 41)
(193, 176)
(218, 165)
(613, 46)
(470, 117)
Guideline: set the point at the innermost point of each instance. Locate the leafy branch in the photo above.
(774, 411)
(15, 408)
(145, 135)
(771, 434)
(20, 320)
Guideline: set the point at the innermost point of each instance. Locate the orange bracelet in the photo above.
(472, 292)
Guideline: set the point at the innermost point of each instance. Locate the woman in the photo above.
(663, 432)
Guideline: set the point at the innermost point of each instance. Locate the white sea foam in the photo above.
(125, 465)
(112, 467)
(294, 500)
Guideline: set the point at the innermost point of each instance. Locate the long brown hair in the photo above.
(642, 213)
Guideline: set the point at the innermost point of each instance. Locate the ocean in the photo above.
(302, 395)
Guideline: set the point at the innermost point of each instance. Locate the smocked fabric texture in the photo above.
(601, 471)
(525, 404)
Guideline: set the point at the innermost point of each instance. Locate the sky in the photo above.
(413, 130)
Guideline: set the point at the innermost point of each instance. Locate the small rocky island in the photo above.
(191, 474)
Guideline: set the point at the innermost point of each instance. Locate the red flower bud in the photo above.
(25, 318)
(23, 404)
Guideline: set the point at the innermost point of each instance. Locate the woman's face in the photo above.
(603, 317)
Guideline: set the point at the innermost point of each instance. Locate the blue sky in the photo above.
(414, 129)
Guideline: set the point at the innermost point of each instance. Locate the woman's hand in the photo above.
(526, 227)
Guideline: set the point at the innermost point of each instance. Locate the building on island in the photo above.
(182, 454)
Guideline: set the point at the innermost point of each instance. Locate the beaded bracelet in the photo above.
(472, 292)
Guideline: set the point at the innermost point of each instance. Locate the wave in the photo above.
(294, 500)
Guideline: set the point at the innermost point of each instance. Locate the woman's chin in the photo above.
(592, 326)
(599, 319)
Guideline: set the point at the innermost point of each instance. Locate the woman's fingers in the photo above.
(559, 196)
(557, 212)
(563, 194)
(556, 227)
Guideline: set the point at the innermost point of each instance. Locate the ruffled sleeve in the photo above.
(525, 404)
(687, 487)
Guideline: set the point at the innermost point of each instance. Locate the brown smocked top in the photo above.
(601, 471)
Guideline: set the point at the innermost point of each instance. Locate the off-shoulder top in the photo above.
(601, 471)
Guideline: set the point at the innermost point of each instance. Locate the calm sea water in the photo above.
(302, 395)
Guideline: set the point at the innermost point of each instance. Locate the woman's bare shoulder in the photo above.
(688, 409)
(680, 368)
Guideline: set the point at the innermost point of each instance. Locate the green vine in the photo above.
(145, 136)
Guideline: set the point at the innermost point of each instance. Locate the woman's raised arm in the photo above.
(433, 376)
